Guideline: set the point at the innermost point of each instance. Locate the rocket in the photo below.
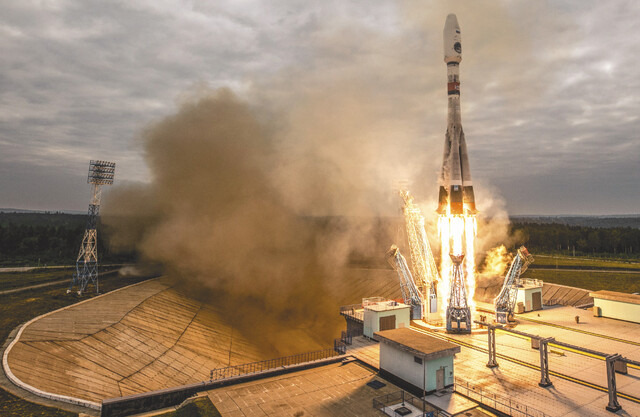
(456, 190)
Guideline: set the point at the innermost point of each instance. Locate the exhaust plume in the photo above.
(239, 183)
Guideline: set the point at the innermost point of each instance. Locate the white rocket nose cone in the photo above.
(452, 40)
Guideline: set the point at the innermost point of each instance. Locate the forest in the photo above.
(39, 239)
(555, 238)
(33, 239)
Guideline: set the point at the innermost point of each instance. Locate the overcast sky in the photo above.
(550, 90)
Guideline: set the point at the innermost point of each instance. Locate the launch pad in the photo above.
(564, 361)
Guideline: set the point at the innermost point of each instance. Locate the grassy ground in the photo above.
(584, 262)
(20, 307)
(12, 406)
(200, 407)
(591, 280)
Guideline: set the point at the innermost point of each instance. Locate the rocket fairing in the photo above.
(456, 189)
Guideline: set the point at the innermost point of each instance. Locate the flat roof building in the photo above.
(416, 361)
(530, 295)
(616, 305)
(382, 314)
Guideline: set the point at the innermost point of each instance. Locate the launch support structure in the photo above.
(410, 292)
(505, 302)
(424, 266)
(458, 311)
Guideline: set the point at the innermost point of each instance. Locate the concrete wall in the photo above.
(617, 309)
(372, 319)
(525, 296)
(434, 365)
(402, 365)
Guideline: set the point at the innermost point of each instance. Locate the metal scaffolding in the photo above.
(410, 293)
(100, 173)
(458, 310)
(505, 302)
(423, 264)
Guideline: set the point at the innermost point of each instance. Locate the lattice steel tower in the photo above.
(458, 311)
(100, 173)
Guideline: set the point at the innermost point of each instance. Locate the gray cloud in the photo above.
(550, 90)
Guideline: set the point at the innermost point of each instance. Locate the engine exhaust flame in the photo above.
(457, 237)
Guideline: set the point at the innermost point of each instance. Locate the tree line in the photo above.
(621, 242)
(32, 239)
(29, 239)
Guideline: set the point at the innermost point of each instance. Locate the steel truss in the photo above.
(100, 173)
(410, 293)
(458, 310)
(505, 302)
(423, 264)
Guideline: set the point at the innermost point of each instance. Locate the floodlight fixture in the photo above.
(101, 172)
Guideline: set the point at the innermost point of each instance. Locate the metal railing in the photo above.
(270, 364)
(496, 401)
(532, 282)
(354, 311)
(340, 346)
(346, 338)
(350, 307)
(389, 402)
(348, 335)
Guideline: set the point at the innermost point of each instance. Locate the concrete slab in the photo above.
(334, 390)
(451, 402)
(365, 349)
(150, 337)
(139, 339)
(512, 386)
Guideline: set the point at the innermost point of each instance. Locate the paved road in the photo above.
(31, 268)
(45, 284)
(30, 287)
(613, 271)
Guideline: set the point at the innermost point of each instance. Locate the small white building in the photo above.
(530, 295)
(616, 305)
(416, 361)
(382, 314)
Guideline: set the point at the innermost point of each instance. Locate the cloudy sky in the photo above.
(550, 90)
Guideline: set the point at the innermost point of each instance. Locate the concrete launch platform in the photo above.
(146, 337)
(338, 390)
(333, 390)
(141, 338)
(517, 376)
(149, 336)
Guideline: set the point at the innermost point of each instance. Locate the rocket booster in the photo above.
(456, 190)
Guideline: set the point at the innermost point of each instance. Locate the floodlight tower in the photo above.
(100, 173)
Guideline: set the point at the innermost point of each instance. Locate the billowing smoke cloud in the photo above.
(212, 215)
(236, 177)
(233, 186)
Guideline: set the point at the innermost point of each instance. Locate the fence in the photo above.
(261, 366)
(402, 398)
(355, 311)
(347, 336)
(495, 401)
(532, 282)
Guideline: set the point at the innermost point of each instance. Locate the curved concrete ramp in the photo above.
(141, 338)
(149, 336)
